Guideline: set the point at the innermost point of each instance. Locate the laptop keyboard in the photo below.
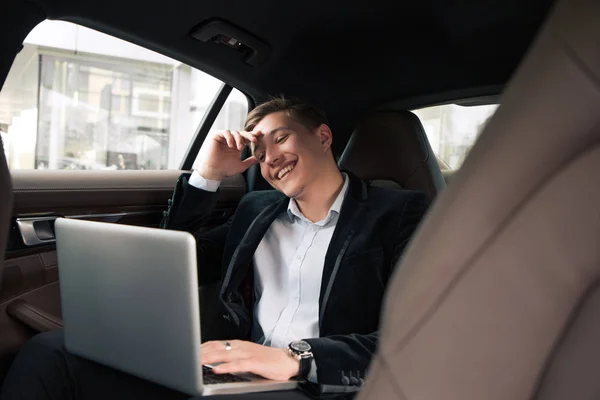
(210, 378)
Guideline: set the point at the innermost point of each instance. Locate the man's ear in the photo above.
(325, 136)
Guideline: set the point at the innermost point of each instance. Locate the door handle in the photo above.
(37, 231)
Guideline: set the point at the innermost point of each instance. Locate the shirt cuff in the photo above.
(198, 181)
(312, 375)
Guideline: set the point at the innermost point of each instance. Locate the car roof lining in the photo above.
(347, 62)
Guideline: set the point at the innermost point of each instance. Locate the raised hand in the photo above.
(220, 154)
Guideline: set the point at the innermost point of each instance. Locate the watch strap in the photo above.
(305, 364)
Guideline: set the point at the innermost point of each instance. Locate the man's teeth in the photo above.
(285, 171)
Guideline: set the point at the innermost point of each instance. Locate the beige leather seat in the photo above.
(392, 146)
(5, 205)
(498, 297)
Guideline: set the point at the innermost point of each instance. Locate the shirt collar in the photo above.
(293, 210)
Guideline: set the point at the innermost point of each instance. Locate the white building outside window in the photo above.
(76, 98)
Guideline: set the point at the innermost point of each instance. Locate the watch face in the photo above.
(300, 346)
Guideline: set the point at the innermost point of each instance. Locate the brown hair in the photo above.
(310, 117)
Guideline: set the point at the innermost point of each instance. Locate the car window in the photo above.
(452, 130)
(232, 116)
(76, 98)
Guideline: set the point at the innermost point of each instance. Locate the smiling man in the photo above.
(320, 249)
(303, 268)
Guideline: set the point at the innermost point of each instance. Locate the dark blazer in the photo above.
(373, 228)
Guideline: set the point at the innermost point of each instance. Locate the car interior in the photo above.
(507, 309)
(495, 296)
(6, 201)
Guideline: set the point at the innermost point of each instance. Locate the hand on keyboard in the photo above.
(209, 377)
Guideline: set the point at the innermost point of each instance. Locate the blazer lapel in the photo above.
(348, 222)
(242, 255)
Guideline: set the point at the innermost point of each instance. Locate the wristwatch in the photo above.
(301, 350)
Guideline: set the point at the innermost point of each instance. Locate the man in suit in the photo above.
(303, 268)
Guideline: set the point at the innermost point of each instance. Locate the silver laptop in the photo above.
(130, 301)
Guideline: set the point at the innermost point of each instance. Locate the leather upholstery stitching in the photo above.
(572, 55)
(569, 322)
(468, 265)
(393, 381)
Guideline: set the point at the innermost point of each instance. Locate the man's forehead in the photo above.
(268, 133)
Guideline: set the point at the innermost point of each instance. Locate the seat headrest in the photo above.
(393, 146)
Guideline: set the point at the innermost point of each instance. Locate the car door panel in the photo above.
(29, 292)
(14, 332)
(90, 192)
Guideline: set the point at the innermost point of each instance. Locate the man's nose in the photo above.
(272, 157)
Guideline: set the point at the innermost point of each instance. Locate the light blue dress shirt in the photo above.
(288, 268)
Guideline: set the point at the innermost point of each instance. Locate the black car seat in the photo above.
(392, 146)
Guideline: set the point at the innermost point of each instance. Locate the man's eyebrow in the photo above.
(280, 128)
(256, 146)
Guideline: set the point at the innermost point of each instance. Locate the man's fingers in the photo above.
(239, 140)
(249, 136)
(221, 344)
(229, 138)
(209, 347)
(209, 344)
(223, 356)
(250, 161)
(215, 343)
(245, 365)
(240, 343)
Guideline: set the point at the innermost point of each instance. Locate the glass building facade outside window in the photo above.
(79, 99)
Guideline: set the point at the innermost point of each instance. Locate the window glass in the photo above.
(76, 98)
(232, 116)
(452, 130)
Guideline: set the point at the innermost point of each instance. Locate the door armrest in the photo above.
(33, 317)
